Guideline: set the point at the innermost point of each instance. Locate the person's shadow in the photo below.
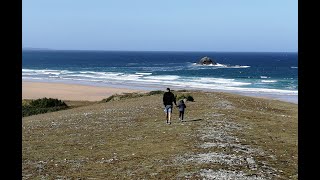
(192, 120)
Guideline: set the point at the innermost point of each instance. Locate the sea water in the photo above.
(264, 74)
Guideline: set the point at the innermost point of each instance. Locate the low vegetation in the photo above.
(40, 106)
(117, 97)
(155, 92)
(178, 95)
(188, 97)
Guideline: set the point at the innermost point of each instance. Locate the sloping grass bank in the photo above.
(224, 135)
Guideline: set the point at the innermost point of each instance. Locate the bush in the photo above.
(43, 105)
(46, 103)
(109, 98)
(155, 92)
(182, 90)
(183, 96)
(117, 97)
(25, 102)
(190, 98)
(28, 111)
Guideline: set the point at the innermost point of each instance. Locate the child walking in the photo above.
(181, 106)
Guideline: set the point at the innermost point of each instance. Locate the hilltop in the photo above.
(223, 136)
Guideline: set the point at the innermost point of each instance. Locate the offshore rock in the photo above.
(206, 61)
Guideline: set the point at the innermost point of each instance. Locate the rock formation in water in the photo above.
(206, 61)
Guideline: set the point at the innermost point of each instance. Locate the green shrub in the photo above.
(190, 98)
(109, 98)
(155, 92)
(117, 97)
(25, 102)
(43, 105)
(183, 96)
(182, 90)
(46, 103)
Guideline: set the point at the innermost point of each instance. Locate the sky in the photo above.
(166, 25)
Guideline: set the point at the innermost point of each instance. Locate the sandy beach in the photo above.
(34, 90)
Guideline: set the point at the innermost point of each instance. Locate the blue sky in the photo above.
(166, 25)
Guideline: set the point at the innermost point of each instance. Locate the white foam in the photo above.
(27, 74)
(113, 74)
(140, 73)
(45, 72)
(135, 75)
(28, 71)
(126, 77)
(269, 81)
(106, 73)
(165, 77)
(86, 72)
(294, 67)
(235, 88)
(31, 78)
(263, 90)
(39, 70)
(66, 72)
(79, 79)
(149, 80)
(238, 66)
(227, 82)
(212, 65)
(82, 75)
(146, 78)
(218, 65)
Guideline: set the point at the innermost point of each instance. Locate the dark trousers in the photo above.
(181, 113)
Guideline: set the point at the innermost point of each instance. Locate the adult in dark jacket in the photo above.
(168, 100)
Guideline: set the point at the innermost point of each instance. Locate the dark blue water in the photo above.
(275, 73)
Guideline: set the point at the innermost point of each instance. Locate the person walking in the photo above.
(181, 107)
(168, 100)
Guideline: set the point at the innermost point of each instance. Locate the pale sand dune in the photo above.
(34, 90)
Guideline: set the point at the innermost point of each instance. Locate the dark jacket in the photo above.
(168, 98)
(182, 106)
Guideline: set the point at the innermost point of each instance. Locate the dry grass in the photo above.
(224, 135)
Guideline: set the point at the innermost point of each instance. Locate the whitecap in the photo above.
(268, 81)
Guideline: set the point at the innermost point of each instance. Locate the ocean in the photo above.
(264, 74)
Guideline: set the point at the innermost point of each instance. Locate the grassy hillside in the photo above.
(224, 136)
